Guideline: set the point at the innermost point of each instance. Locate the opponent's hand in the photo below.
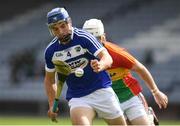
(52, 115)
(96, 65)
(161, 99)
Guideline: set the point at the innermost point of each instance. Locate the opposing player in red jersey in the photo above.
(126, 87)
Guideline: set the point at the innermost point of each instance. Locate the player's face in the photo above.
(63, 31)
(99, 38)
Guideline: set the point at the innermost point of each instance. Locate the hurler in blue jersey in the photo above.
(90, 94)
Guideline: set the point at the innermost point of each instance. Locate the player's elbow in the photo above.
(110, 61)
(139, 68)
(105, 58)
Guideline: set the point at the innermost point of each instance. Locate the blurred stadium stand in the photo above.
(9, 8)
(149, 29)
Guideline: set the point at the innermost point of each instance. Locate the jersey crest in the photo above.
(118, 73)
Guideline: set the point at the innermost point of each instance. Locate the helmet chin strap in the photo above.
(66, 39)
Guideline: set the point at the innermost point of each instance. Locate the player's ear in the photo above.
(103, 37)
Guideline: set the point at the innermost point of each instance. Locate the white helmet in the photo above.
(94, 26)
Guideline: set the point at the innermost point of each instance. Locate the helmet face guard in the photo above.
(50, 26)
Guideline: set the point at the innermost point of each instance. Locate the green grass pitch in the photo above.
(39, 121)
(61, 121)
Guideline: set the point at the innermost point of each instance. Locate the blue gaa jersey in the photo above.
(82, 48)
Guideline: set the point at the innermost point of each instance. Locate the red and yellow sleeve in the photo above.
(121, 58)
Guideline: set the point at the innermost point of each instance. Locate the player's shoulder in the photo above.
(112, 46)
(80, 33)
(51, 45)
(118, 51)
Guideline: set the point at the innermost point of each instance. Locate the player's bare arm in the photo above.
(160, 98)
(50, 88)
(104, 62)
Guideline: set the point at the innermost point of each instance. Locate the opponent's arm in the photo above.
(105, 61)
(160, 98)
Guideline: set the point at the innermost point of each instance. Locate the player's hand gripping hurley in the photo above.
(63, 70)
